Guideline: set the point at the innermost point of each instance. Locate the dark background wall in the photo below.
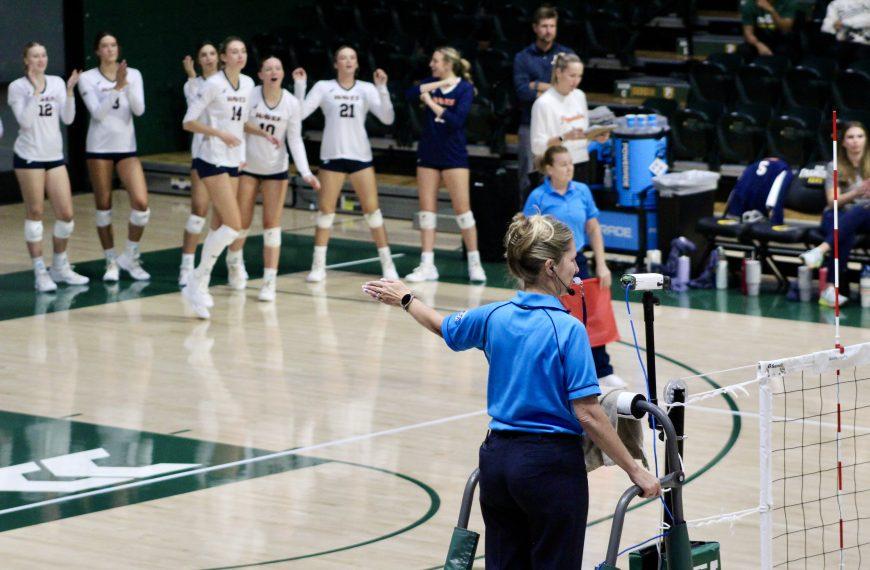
(22, 21)
(156, 35)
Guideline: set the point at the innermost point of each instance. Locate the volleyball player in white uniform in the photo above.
(345, 150)
(113, 94)
(207, 58)
(275, 111)
(39, 102)
(219, 112)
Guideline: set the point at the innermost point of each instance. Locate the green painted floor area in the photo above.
(18, 299)
(77, 490)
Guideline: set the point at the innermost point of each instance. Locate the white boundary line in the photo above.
(361, 261)
(267, 457)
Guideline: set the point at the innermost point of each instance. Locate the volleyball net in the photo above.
(813, 504)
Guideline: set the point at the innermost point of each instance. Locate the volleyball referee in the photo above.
(542, 395)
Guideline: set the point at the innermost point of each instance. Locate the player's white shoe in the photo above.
(112, 271)
(65, 274)
(267, 291)
(238, 276)
(828, 297)
(317, 273)
(423, 272)
(476, 274)
(611, 381)
(184, 275)
(813, 258)
(133, 266)
(42, 281)
(192, 293)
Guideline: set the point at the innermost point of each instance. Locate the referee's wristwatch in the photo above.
(406, 300)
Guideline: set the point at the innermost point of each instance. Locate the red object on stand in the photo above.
(600, 320)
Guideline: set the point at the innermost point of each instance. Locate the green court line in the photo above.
(434, 505)
(18, 298)
(736, 424)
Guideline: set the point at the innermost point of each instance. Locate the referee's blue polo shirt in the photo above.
(539, 360)
(573, 209)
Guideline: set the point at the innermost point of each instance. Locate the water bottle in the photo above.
(805, 283)
(721, 269)
(753, 277)
(608, 178)
(865, 287)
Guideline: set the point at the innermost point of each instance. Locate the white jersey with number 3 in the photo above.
(111, 128)
(344, 135)
(222, 106)
(39, 138)
(284, 122)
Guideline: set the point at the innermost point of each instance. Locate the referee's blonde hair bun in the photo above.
(531, 241)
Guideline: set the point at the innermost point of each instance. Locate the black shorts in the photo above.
(278, 176)
(20, 163)
(206, 169)
(115, 157)
(344, 165)
(424, 164)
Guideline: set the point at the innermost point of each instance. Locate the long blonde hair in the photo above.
(531, 241)
(847, 170)
(461, 67)
(561, 63)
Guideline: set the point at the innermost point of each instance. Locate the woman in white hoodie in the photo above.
(560, 115)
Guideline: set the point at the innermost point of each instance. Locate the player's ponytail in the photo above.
(531, 241)
(461, 67)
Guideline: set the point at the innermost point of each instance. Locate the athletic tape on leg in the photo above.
(103, 217)
(140, 217)
(324, 221)
(62, 230)
(375, 219)
(272, 237)
(465, 221)
(32, 230)
(194, 224)
(428, 220)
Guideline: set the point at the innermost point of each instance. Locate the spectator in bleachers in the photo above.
(849, 21)
(532, 70)
(767, 26)
(853, 166)
(560, 116)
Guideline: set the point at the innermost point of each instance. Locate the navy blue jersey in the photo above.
(762, 186)
(442, 142)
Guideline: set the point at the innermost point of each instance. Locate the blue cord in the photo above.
(652, 418)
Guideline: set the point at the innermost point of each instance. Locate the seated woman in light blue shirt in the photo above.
(571, 203)
(542, 395)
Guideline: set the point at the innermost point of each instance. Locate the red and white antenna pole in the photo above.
(837, 343)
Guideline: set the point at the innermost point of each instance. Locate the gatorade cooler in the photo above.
(639, 153)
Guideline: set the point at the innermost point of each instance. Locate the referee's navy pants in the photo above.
(599, 353)
(535, 498)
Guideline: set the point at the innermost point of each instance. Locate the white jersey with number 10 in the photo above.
(284, 122)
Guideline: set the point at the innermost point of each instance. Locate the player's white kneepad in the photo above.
(103, 218)
(32, 230)
(465, 221)
(62, 230)
(194, 224)
(375, 219)
(324, 221)
(272, 237)
(243, 233)
(428, 220)
(140, 217)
